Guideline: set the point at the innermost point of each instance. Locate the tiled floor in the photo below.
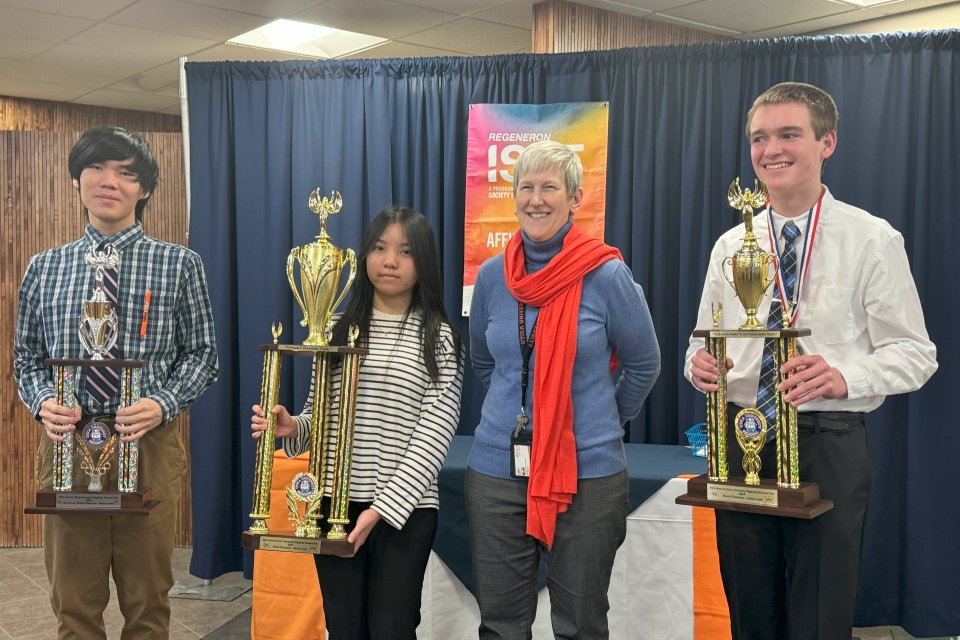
(25, 607)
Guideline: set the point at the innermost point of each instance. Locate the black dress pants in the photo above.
(792, 579)
(375, 595)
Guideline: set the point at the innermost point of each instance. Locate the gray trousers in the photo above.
(506, 559)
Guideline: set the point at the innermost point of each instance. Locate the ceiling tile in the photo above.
(382, 18)
(70, 64)
(23, 48)
(143, 43)
(459, 7)
(754, 15)
(127, 100)
(89, 9)
(400, 50)
(268, 8)
(188, 19)
(40, 90)
(42, 26)
(518, 13)
(472, 36)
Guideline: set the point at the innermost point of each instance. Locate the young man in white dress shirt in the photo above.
(787, 578)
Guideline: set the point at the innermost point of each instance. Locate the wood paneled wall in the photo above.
(40, 209)
(23, 114)
(565, 27)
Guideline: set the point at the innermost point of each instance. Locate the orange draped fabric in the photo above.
(286, 596)
(711, 620)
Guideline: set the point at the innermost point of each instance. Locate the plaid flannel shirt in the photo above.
(179, 344)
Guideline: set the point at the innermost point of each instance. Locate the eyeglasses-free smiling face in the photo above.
(786, 154)
(543, 204)
(392, 271)
(110, 191)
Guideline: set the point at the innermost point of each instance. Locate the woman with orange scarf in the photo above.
(547, 474)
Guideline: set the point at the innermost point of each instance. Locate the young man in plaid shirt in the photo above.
(115, 172)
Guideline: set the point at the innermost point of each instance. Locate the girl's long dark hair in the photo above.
(427, 293)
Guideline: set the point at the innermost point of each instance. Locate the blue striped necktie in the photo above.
(103, 382)
(766, 393)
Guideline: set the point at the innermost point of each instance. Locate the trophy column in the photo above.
(263, 471)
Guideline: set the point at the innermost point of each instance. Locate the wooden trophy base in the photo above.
(293, 544)
(107, 503)
(766, 498)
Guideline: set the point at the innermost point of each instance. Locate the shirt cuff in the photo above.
(857, 379)
(42, 397)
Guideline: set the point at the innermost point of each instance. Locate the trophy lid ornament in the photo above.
(324, 207)
(747, 201)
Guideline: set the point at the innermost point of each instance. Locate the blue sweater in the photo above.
(613, 316)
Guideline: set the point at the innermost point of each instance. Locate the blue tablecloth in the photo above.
(648, 465)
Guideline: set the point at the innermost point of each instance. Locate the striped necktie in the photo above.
(103, 382)
(766, 393)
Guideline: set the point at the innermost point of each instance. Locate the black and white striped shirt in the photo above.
(404, 421)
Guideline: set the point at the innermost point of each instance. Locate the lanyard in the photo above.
(526, 350)
(813, 220)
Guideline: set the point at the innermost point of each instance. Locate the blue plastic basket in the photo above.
(697, 439)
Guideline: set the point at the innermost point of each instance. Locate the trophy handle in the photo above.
(771, 276)
(723, 269)
(294, 254)
(352, 259)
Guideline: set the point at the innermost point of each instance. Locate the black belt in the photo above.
(820, 420)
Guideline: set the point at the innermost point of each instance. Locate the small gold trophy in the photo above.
(98, 332)
(321, 266)
(787, 496)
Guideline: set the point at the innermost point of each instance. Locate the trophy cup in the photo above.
(751, 273)
(321, 265)
(98, 332)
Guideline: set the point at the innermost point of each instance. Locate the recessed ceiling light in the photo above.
(303, 38)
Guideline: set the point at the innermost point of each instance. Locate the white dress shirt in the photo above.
(859, 301)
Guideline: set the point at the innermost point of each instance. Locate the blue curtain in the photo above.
(263, 135)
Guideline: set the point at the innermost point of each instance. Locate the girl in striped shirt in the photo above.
(408, 407)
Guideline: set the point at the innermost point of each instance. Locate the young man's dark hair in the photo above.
(114, 143)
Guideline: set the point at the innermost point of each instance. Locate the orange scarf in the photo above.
(555, 289)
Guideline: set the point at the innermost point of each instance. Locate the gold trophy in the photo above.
(786, 496)
(750, 265)
(98, 332)
(321, 265)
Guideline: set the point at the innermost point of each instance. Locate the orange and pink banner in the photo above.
(497, 134)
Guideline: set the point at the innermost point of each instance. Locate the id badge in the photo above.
(521, 441)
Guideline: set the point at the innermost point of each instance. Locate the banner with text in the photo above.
(497, 134)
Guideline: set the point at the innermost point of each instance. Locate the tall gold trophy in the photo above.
(321, 267)
(92, 445)
(752, 270)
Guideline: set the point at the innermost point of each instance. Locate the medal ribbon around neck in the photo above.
(813, 220)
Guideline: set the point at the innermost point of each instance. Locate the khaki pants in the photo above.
(81, 550)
